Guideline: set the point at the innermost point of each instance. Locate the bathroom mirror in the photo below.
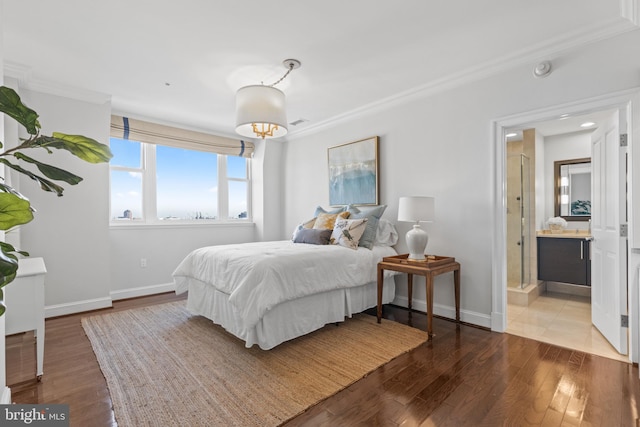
(572, 188)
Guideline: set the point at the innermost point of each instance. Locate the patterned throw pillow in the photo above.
(347, 232)
(327, 221)
(373, 214)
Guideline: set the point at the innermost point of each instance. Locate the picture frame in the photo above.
(353, 173)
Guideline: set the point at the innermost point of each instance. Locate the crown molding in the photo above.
(549, 48)
(26, 81)
(17, 71)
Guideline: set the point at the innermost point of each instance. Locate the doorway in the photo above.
(552, 312)
(524, 121)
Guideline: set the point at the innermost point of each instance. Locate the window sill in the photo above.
(138, 225)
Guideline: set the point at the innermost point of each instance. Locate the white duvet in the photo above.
(259, 276)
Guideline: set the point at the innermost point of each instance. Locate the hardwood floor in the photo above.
(465, 376)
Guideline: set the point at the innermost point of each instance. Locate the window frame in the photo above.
(149, 189)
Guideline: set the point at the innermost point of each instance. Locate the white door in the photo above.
(608, 248)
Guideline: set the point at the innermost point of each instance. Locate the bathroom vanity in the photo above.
(564, 256)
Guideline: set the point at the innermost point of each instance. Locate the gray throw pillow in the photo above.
(313, 236)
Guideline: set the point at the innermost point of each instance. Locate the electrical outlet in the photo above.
(143, 263)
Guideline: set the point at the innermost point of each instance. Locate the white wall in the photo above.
(562, 147)
(441, 145)
(266, 185)
(71, 232)
(163, 248)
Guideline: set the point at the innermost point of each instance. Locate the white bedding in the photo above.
(290, 319)
(259, 276)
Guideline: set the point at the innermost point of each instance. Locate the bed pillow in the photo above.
(373, 214)
(327, 221)
(347, 232)
(321, 210)
(306, 224)
(386, 235)
(313, 236)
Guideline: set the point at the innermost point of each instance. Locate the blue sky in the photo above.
(187, 182)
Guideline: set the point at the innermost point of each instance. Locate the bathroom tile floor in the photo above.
(563, 320)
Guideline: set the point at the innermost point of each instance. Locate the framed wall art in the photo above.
(353, 173)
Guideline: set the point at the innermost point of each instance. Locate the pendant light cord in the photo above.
(291, 65)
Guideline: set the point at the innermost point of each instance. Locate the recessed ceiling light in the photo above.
(509, 135)
(587, 124)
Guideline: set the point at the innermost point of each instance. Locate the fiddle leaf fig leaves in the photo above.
(80, 146)
(8, 268)
(12, 106)
(13, 211)
(49, 171)
(45, 184)
(8, 189)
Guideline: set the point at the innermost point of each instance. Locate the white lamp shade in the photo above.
(260, 105)
(416, 209)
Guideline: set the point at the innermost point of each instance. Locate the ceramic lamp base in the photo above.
(417, 240)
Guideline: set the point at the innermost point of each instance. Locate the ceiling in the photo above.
(182, 62)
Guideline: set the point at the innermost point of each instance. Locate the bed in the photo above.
(266, 293)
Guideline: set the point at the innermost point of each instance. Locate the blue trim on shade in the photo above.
(241, 148)
(125, 134)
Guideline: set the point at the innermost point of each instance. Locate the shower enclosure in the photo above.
(518, 221)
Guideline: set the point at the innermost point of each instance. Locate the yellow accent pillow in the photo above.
(327, 221)
(309, 223)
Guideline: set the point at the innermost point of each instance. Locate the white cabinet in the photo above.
(24, 298)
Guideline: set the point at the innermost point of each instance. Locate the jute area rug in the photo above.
(164, 366)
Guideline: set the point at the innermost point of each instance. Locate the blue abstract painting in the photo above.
(353, 173)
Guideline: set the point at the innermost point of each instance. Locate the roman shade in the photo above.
(153, 133)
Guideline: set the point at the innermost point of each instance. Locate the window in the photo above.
(186, 184)
(126, 179)
(157, 183)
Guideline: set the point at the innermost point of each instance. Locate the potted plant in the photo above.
(15, 209)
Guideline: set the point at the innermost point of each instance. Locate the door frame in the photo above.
(629, 98)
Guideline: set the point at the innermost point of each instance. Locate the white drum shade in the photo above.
(416, 209)
(262, 106)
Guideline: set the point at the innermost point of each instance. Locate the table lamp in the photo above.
(416, 209)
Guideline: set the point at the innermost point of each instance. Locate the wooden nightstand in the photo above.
(430, 268)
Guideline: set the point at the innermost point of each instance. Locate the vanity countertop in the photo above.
(574, 234)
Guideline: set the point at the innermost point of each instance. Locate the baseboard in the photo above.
(142, 291)
(568, 288)
(106, 302)
(76, 307)
(498, 322)
(6, 396)
(466, 316)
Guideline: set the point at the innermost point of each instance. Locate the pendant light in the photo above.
(260, 109)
